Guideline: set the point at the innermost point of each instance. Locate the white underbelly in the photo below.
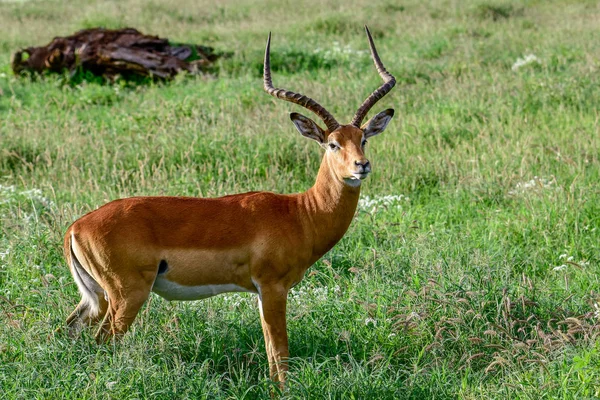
(174, 291)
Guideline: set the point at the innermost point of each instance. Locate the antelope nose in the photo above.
(365, 164)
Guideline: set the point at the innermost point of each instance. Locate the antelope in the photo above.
(185, 248)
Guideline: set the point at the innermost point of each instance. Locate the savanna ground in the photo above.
(471, 269)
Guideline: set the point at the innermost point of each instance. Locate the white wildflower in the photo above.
(533, 185)
(6, 194)
(10, 194)
(33, 198)
(235, 300)
(370, 321)
(389, 201)
(337, 51)
(570, 259)
(36, 194)
(528, 59)
(312, 294)
(597, 310)
(320, 293)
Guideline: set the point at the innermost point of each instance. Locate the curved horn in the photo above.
(388, 79)
(297, 98)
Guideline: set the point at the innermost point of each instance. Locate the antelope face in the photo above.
(345, 152)
(345, 146)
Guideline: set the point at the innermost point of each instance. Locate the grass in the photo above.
(480, 281)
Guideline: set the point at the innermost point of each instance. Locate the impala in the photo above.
(191, 248)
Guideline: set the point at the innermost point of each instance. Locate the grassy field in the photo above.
(471, 270)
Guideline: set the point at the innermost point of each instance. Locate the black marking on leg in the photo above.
(162, 267)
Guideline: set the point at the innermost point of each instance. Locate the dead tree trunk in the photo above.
(113, 53)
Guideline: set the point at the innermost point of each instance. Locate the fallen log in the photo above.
(112, 53)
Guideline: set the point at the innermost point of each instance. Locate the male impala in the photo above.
(191, 248)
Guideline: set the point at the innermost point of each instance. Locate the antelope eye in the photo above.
(333, 146)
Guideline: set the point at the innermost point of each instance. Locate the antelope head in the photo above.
(344, 144)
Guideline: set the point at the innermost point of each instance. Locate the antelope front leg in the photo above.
(272, 366)
(272, 305)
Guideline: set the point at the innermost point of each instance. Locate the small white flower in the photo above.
(370, 321)
(528, 59)
(560, 267)
(387, 201)
(533, 185)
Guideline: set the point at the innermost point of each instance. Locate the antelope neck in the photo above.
(330, 206)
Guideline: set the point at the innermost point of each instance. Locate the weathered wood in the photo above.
(111, 53)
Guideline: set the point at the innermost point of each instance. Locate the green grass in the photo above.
(482, 281)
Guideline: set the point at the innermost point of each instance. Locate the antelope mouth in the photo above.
(359, 176)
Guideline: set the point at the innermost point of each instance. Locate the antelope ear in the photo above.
(378, 123)
(308, 128)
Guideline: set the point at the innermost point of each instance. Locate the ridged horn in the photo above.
(293, 97)
(388, 79)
